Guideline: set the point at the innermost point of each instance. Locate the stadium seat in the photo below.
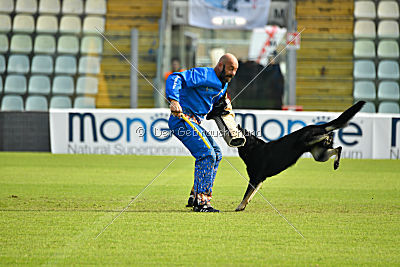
(36, 103)
(369, 107)
(42, 64)
(2, 64)
(388, 91)
(364, 49)
(388, 10)
(388, 107)
(92, 24)
(3, 43)
(23, 24)
(70, 24)
(68, 45)
(15, 84)
(18, 64)
(84, 102)
(364, 10)
(63, 85)
(364, 90)
(5, 23)
(87, 85)
(89, 65)
(26, 6)
(21, 43)
(7, 6)
(72, 7)
(388, 49)
(364, 29)
(60, 102)
(1, 85)
(388, 29)
(12, 103)
(49, 6)
(91, 45)
(364, 69)
(65, 65)
(47, 24)
(388, 70)
(39, 84)
(45, 44)
(95, 7)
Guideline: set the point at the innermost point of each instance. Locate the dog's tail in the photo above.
(344, 118)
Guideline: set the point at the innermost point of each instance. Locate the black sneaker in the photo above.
(190, 201)
(204, 208)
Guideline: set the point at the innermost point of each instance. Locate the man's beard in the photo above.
(223, 77)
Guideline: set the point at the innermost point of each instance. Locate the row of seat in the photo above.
(44, 64)
(365, 69)
(23, 23)
(366, 49)
(387, 90)
(47, 44)
(383, 107)
(40, 84)
(40, 103)
(368, 10)
(367, 29)
(97, 7)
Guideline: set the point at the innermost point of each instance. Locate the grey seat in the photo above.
(95, 7)
(12, 103)
(91, 45)
(39, 84)
(388, 91)
(36, 103)
(26, 6)
(15, 84)
(388, 107)
(70, 25)
(364, 49)
(65, 65)
(388, 10)
(364, 90)
(388, 29)
(388, 49)
(89, 65)
(49, 6)
(84, 102)
(60, 102)
(23, 23)
(364, 10)
(87, 85)
(7, 6)
(18, 64)
(47, 24)
(2, 64)
(5, 23)
(68, 45)
(388, 69)
(3, 43)
(21, 43)
(42, 64)
(72, 7)
(63, 85)
(45, 44)
(364, 29)
(368, 108)
(364, 69)
(93, 25)
(1, 85)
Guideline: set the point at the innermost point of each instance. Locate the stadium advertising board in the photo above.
(145, 131)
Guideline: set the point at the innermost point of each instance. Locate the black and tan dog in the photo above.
(264, 160)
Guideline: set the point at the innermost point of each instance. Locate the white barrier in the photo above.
(145, 131)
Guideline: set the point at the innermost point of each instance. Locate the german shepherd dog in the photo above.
(264, 160)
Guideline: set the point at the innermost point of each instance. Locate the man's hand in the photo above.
(175, 108)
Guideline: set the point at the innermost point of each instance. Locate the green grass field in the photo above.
(53, 206)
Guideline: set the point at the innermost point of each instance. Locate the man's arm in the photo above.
(172, 90)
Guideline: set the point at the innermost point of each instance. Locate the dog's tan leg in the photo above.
(248, 197)
(337, 159)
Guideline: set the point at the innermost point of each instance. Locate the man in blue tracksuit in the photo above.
(192, 94)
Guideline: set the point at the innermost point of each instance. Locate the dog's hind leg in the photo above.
(248, 196)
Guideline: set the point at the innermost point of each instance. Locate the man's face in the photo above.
(176, 65)
(228, 71)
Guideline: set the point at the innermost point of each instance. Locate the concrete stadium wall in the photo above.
(24, 131)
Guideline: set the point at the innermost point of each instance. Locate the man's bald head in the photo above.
(226, 67)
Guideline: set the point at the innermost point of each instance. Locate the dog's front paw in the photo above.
(336, 165)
